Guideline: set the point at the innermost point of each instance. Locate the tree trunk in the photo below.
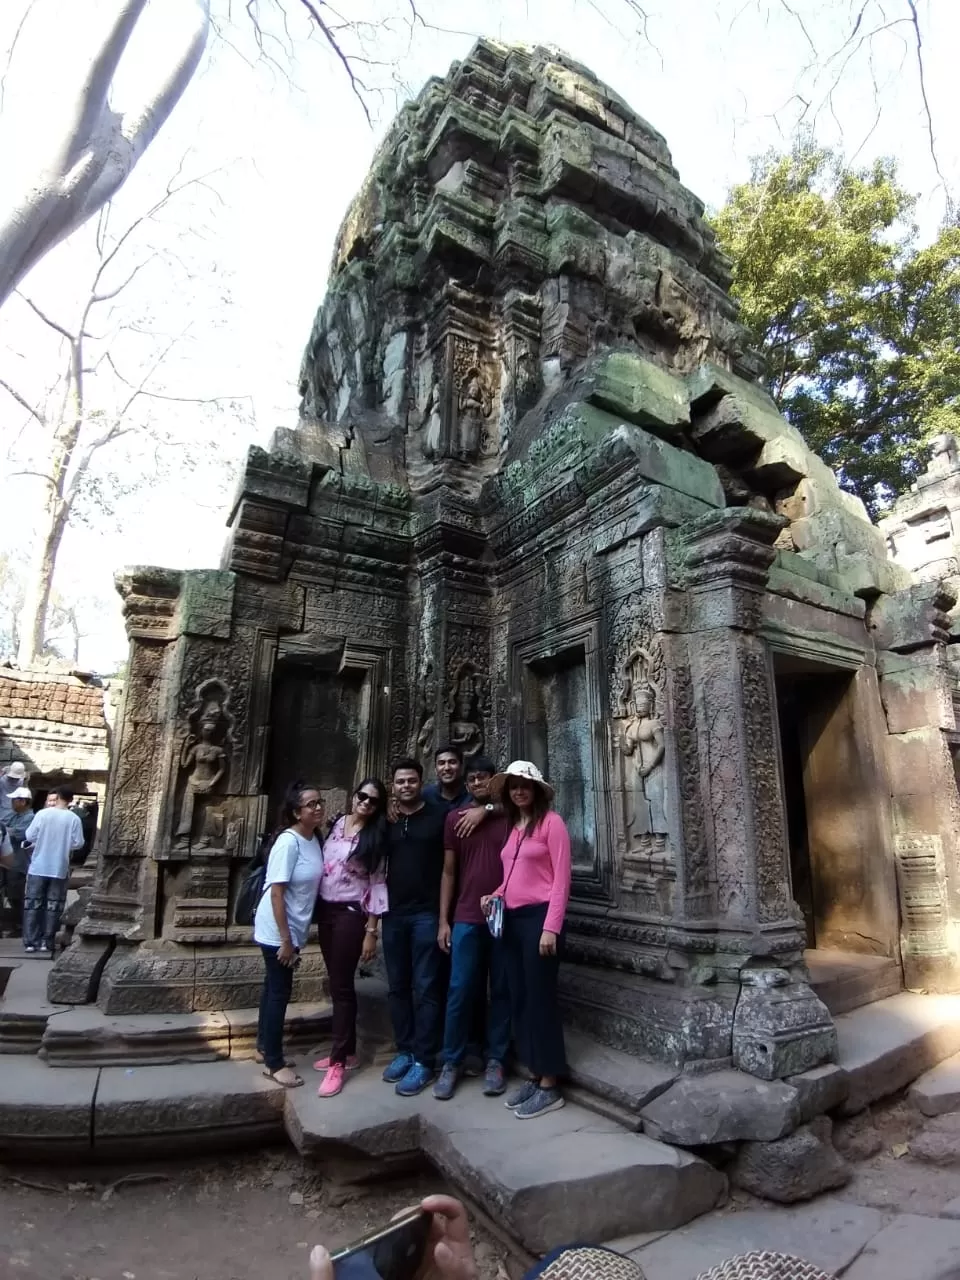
(40, 570)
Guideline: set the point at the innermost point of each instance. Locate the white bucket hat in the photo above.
(21, 793)
(16, 770)
(520, 769)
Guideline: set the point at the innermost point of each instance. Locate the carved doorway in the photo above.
(317, 723)
(836, 798)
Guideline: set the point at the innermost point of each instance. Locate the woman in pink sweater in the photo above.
(535, 890)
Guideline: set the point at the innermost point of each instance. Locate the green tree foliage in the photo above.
(860, 327)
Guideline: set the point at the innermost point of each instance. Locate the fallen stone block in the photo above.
(797, 1167)
(939, 1143)
(938, 1091)
(45, 1112)
(819, 1090)
(627, 385)
(722, 1106)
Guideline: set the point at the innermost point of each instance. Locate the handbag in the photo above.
(252, 885)
(497, 904)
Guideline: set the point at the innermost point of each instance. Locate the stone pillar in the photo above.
(738, 862)
(918, 688)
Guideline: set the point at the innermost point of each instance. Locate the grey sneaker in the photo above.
(539, 1103)
(494, 1081)
(446, 1086)
(521, 1095)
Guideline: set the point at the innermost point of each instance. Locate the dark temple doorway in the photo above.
(317, 720)
(841, 870)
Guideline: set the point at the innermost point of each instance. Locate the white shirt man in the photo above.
(53, 834)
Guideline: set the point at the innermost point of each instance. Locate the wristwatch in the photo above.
(489, 807)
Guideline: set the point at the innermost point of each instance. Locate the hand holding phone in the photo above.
(435, 1236)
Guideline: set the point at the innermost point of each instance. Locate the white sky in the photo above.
(722, 79)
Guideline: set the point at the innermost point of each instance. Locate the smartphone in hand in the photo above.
(394, 1252)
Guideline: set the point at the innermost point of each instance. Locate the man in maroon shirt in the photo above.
(472, 868)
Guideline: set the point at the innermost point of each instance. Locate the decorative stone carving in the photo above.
(466, 722)
(642, 745)
(433, 421)
(204, 765)
(474, 405)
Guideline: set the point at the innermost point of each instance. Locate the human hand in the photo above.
(485, 903)
(449, 1253)
(548, 943)
(469, 820)
(443, 936)
(393, 812)
(369, 949)
(287, 953)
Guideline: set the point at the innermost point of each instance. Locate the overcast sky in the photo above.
(722, 79)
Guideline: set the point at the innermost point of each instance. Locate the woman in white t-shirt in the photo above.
(283, 917)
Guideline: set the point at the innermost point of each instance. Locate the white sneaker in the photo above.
(29, 950)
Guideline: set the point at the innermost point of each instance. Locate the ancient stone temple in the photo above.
(537, 503)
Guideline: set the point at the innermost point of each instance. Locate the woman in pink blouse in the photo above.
(353, 896)
(535, 890)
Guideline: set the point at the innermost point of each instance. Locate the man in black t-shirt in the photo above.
(412, 957)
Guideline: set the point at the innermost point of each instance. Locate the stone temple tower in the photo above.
(537, 503)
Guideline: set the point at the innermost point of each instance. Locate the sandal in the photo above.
(258, 1059)
(295, 1083)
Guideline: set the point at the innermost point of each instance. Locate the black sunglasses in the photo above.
(365, 795)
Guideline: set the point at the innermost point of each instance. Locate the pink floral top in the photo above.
(345, 879)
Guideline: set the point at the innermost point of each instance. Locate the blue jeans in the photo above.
(43, 901)
(474, 955)
(277, 987)
(414, 964)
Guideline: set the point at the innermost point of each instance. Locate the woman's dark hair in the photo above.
(541, 805)
(372, 840)
(287, 813)
(406, 762)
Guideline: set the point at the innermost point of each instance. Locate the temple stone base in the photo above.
(164, 977)
(769, 1023)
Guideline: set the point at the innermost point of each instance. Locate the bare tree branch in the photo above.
(915, 21)
(46, 319)
(12, 50)
(23, 402)
(356, 85)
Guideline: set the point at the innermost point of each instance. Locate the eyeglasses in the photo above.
(365, 796)
(311, 804)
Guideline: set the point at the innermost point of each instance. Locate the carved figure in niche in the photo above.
(432, 421)
(475, 405)
(203, 757)
(642, 741)
(944, 455)
(466, 723)
(424, 744)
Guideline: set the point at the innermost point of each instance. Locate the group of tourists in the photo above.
(467, 881)
(35, 851)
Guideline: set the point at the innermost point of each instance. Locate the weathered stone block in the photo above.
(938, 1091)
(819, 1090)
(627, 385)
(723, 1106)
(780, 1028)
(939, 1142)
(797, 1167)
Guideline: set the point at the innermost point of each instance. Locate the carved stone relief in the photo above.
(466, 722)
(204, 760)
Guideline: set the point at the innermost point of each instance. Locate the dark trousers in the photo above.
(414, 964)
(12, 887)
(476, 957)
(277, 987)
(537, 1029)
(340, 929)
(43, 902)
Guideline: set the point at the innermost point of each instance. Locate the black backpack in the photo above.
(251, 888)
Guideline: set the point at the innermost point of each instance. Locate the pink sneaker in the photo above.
(332, 1082)
(323, 1064)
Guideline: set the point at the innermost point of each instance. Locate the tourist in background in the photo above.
(353, 896)
(13, 777)
(535, 889)
(472, 869)
(413, 960)
(14, 877)
(283, 918)
(52, 836)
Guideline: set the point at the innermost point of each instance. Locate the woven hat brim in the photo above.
(499, 781)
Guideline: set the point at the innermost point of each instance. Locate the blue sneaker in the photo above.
(397, 1068)
(415, 1081)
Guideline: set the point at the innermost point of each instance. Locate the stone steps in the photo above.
(568, 1175)
(846, 980)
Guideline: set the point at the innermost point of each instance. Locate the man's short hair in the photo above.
(407, 762)
(64, 794)
(448, 749)
(481, 764)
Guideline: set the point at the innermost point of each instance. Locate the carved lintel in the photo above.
(733, 547)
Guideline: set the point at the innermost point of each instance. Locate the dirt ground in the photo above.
(250, 1217)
